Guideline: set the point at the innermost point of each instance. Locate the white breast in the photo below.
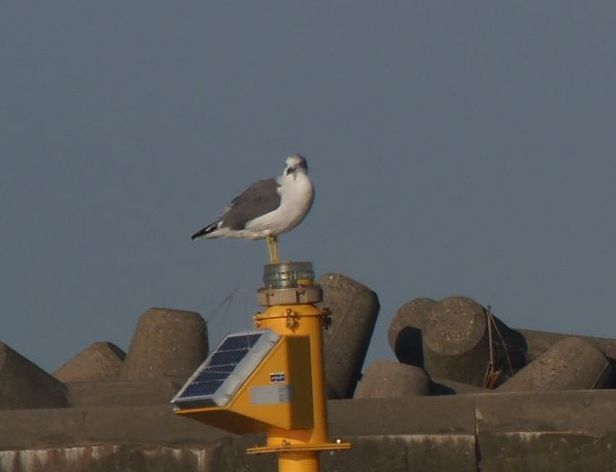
(296, 197)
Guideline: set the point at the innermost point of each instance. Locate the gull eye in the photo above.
(288, 170)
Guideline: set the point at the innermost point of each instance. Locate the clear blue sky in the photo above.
(456, 148)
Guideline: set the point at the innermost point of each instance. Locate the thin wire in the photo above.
(505, 346)
(490, 340)
(225, 302)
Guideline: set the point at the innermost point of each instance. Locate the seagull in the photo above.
(267, 208)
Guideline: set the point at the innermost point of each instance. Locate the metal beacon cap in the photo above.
(289, 283)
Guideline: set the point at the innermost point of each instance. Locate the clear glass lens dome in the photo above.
(288, 275)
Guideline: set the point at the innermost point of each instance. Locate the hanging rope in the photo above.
(494, 375)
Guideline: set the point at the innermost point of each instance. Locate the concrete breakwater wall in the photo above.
(549, 404)
(553, 431)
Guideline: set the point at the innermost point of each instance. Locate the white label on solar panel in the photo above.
(270, 394)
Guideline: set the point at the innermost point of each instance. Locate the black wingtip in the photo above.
(197, 234)
(203, 231)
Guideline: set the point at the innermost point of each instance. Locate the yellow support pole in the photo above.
(298, 462)
(299, 449)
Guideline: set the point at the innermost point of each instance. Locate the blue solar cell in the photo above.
(198, 389)
(223, 369)
(218, 366)
(227, 357)
(212, 374)
(245, 341)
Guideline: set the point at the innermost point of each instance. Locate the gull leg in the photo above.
(268, 242)
(272, 248)
(276, 257)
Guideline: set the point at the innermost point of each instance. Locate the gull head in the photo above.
(294, 164)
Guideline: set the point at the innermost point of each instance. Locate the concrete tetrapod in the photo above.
(451, 387)
(354, 308)
(24, 385)
(390, 379)
(166, 343)
(538, 342)
(99, 361)
(456, 342)
(405, 334)
(570, 364)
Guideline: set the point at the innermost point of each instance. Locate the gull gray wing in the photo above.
(259, 199)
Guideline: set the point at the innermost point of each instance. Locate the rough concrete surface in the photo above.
(122, 393)
(419, 453)
(538, 342)
(456, 342)
(450, 338)
(24, 385)
(389, 379)
(99, 361)
(511, 432)
(354, 308)
(451, 387)
(52, 428)
(166, 343)
(546, 452)
(402, 416)
(488, 452)
(405, 333)
(108, 458)
(570, 364)
(584, 411)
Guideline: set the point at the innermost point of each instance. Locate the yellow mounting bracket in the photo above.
(288, 447)
(278, 395)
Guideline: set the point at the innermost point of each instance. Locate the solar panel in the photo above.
(226, 369)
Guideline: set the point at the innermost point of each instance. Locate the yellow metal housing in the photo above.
(285, 395)
(277, 395)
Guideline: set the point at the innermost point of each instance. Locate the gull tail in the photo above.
(206, 232)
